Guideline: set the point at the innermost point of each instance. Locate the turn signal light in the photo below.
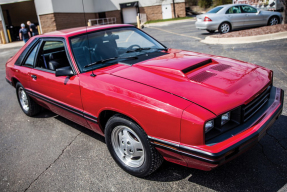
(207, 19)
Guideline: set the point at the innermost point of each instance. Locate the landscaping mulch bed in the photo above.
(254, 31)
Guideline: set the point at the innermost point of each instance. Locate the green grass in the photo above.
(164, 20)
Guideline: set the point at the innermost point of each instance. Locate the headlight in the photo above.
(225, 118)
(209, 125)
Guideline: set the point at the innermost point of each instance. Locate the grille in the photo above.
(220, 67)
(202, 76)
(255, 105)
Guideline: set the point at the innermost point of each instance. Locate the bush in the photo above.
(221, 2)
(191, 2)
(205, 3)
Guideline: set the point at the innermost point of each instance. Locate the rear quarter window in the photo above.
(215, 10)
(23, 54)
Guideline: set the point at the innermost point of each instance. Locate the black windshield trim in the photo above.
(87, 33)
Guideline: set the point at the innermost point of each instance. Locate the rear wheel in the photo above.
(273, 21)
(28, 106)
(224, 27)
(210, 31)
(130, 147)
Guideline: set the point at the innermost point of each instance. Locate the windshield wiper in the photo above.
(138, 49)
(101, 61)
(109, 59)
(165, 49)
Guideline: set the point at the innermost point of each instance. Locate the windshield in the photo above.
(103, 48)
(215, 10)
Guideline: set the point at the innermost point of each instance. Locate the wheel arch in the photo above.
(14, 81)
(107, 113)
(272, 17)
(226, 22)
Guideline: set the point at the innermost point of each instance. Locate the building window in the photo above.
(102, 15)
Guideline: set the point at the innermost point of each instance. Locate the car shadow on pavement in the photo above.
(45, 113)
(262, 168)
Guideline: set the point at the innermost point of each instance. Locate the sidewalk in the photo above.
(12, 45)
(165, 23)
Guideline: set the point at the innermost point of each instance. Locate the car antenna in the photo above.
(93, 74)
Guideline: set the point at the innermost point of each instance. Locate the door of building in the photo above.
(166, 11)
(130, 15)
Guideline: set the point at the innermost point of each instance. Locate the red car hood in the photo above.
(215, 83)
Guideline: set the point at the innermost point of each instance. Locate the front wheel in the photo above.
(130, 147)
(273, 21)
(224, 28)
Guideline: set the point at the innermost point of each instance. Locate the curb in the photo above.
(243, 40)
(165, 23)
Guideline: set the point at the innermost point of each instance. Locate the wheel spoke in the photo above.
(127, 145)
(138, 153)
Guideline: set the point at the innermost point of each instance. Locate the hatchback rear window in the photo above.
(215, 10)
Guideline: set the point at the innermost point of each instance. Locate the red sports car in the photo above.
(150, 102)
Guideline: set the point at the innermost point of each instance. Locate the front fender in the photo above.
(192, 125)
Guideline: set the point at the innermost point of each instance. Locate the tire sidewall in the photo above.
(269, 22)
(18, 85)
(221, 25)
(136, 171)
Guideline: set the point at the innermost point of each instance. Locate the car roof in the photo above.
(228, 5)
(82, 30)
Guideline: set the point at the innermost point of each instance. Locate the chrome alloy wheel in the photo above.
(274, 21)
(128, 146)
(225, 28)
(23, 99)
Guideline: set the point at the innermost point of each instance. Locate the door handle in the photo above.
(34, 77)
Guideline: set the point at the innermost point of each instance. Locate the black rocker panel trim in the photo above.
(62, 106)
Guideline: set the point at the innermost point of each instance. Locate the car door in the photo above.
(254, 18)
(60, 94)
(235, 16)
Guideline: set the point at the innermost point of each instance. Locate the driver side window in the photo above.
(248, 9)
(52, 55)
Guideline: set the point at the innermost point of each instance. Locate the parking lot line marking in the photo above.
(177, 33)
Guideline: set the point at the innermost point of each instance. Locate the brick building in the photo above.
(53, 15)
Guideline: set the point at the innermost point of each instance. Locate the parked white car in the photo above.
(225, 18)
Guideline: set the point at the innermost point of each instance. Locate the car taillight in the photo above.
(207, 19)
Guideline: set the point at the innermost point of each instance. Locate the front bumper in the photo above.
(210, 156)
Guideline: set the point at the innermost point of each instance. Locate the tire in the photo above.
(28, 105)
(130, 147)
(210, 31)
(273, 21)
(224, 28)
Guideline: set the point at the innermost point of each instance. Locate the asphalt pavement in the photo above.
(50, 153)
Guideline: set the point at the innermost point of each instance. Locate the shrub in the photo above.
(205, 3)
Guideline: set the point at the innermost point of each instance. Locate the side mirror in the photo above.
(64, 71)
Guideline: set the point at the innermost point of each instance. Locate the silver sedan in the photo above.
(225, 18)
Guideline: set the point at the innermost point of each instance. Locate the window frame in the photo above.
(87, 33)
(42, 44)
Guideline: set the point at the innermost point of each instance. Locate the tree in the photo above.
(285, 10)
(205, 3)
(221, 2)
